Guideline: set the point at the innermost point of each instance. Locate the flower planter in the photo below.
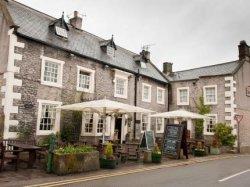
(75, 163)
(199, 152)
(108, 163)
(214, 151)
(156, 158)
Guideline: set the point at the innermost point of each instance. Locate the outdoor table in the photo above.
(29, 148)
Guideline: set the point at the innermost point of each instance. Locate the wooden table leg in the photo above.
(32, 158)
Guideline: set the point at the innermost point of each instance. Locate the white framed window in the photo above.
(85, 79)
(121, 85)
(209, 124)
(210, 94)
(100, 125)
(89, 122)
(159, 125)
(183, 96)
(160, 95)
(145, 122)
(52, 71)
(146, 92)
(48, 120)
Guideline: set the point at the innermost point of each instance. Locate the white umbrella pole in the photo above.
(104, 125)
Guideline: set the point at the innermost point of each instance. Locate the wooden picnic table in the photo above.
(27, 148)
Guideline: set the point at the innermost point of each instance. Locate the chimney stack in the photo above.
(243, 50)
(167, 68)
(76, 21)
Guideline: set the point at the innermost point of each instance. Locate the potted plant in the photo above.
(108, 160)
(214, 149)
(156, 155)
(199, 150)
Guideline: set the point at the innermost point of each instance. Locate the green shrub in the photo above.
(223, 133)
(74, 150)
(202, 109)
(109, 151)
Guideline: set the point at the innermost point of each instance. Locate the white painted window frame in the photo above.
(163, 95)
(204, 95)
(205, 124)
(162, 126)
(92, 79)
(121, 75)
(150, 90)
(60, 72)
(148, 124)
(179, 103)
(57, 120)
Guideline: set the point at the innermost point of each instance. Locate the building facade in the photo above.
(52, 63)
(224, 87)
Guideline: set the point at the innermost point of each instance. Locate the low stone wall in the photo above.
(75, 163)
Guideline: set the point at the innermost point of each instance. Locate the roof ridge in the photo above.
(98, 37)
(207, 66)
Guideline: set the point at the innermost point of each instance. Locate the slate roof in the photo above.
(35, 25)
(213, 70)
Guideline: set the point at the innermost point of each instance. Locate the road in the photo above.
(226, 172)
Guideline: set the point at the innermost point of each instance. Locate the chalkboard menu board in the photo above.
(148, 140)
(172, 140)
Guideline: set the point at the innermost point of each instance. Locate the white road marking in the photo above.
(235, 175)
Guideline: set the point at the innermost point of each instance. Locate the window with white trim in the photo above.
(85, 79)
(146, 92)
(100, 125)
(89, 120)
(210, 94)
(52, 71)
(145, 122)
(183, 96)
(160, 95)
(47, 116)
(121, 85)
(159, 125)
(209, 124)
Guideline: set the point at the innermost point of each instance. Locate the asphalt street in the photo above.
(227, 172)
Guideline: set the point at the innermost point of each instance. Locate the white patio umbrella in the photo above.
(104, 107)
(180, 114)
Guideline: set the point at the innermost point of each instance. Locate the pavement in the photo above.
(204, 171)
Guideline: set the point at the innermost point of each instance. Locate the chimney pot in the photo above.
(167, 68)
(243, 50)
(76, 21)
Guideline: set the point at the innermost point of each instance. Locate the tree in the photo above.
(202, 109)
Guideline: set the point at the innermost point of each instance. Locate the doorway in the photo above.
(118, 127)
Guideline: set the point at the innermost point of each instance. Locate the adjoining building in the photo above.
(46, 62)
(225, 87)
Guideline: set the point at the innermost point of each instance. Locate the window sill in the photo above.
(147, 101)
(161, 103)
(209, 133)
(84, 90)
(121, 96)
(206, 103)
(51, 84)
(183, 104)
(45, 133)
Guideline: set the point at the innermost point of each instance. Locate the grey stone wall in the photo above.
(32, 89)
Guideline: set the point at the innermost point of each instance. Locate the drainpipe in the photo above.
(135, 100)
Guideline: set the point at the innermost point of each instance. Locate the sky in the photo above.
(188, 33)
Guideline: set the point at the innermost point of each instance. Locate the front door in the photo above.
(118, 128)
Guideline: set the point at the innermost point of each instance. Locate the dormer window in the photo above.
(143, 65)
(61, 32)
(110, 51)
(109, 47)
(60, 27)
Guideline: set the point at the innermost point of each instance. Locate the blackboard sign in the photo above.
(172, 140)
(148, 140)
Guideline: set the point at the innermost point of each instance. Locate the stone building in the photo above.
(224, 87)
(46, 62)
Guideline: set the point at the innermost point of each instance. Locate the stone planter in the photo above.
(214, 151)
(108, 163)
(75, 163)
(156, 158)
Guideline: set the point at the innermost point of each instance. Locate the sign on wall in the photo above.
(248, 91)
